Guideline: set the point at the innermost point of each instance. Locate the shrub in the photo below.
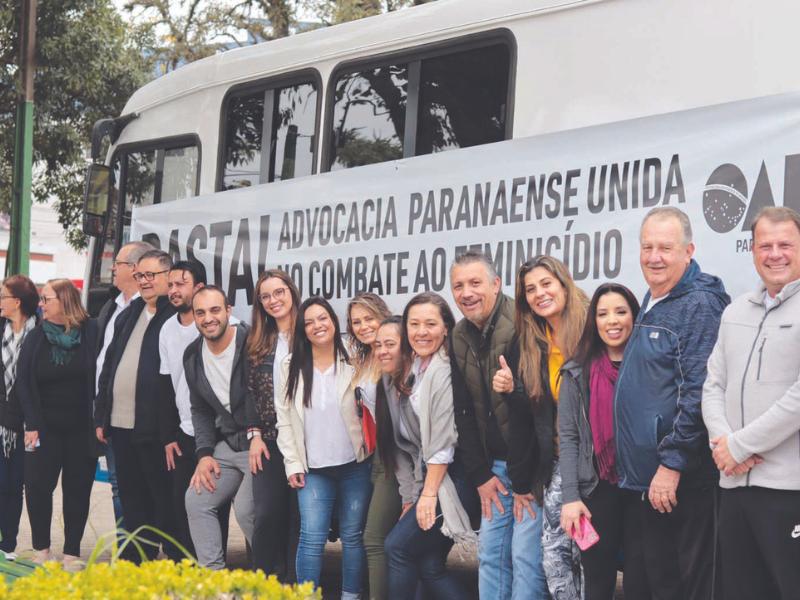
(153, 580)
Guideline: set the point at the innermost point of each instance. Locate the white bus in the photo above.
(365, 155)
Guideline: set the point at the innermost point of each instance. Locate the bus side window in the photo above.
(463, 99)
(441, 100)
(269, 134)
(369, 116)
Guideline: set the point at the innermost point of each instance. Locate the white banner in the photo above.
(580, 195)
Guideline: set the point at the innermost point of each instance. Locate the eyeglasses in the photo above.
(149, 275)
(46, 299)
(277, 294)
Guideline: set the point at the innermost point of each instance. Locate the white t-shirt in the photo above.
(653, 302)
(173, 340)
(327, 440)
(121, 304)
(218, 368)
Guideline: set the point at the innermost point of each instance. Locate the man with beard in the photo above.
(214, 365)
(176, 431)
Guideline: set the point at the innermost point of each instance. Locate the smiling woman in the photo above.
(549, 318)
(320, 436)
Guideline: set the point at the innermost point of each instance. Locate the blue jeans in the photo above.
(510, 553)
(348, 487)
(11, 480)
(415, 555)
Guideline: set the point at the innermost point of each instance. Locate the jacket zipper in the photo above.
(747, 368)
(760, 356)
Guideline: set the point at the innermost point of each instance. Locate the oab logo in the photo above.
(726, 202)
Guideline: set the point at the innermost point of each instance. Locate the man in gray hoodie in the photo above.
(751, 406)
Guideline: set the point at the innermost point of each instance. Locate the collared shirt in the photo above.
(122, 304)
(328, 442)
(769, 301)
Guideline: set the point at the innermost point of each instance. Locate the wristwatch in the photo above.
(251, 433)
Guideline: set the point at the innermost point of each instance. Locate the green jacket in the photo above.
(476, 355)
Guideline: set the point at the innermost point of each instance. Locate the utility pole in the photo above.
(17, 261)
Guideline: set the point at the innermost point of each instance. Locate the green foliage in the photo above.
(88, 64)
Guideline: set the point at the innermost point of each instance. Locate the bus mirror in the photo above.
(96, 196)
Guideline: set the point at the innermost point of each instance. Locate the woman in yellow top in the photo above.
(550, 314)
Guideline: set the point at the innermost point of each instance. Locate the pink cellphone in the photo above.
(586, 536)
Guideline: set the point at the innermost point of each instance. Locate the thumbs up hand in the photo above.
(503, 381)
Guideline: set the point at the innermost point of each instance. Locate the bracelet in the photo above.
(428, 495)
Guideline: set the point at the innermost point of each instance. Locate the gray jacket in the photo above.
(752, 392)
(576, 448)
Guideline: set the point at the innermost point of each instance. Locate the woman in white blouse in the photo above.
(320, 436)
(433, 491)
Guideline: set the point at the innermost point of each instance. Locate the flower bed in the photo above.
(153, 580)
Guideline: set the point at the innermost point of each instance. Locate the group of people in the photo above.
(579, 436)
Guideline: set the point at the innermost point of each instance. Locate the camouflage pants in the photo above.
(562, 559)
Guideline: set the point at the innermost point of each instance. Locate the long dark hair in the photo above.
(302, 361)
(444, 312)
(264, 328)
(591, 346)
(383, 418)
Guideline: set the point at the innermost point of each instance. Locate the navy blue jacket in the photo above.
(657, 414)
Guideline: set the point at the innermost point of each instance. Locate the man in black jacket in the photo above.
(510, 549)
(126, 408)
(122, 270)
(214, 366)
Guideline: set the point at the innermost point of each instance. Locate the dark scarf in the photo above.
(62, 342)
(602, 378)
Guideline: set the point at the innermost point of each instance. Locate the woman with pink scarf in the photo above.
(586, 431)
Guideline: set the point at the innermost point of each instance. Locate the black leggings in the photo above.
(277, 522)
(67, 453)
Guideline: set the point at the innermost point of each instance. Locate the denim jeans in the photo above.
(414, 554)
(510, 552)
(348, 487)
(11, 480)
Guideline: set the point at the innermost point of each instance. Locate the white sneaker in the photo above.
(9, 555)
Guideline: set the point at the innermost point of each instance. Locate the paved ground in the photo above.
(101, 520)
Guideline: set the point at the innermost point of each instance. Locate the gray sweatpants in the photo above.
(202, 508)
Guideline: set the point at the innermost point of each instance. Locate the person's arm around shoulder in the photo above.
(287, 442)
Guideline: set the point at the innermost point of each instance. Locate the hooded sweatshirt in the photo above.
(657, 403)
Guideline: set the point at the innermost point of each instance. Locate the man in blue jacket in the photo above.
(662, 443)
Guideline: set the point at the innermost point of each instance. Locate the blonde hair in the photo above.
(69, 296)
(361, 354)
(533, 329)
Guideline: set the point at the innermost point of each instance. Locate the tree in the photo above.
(88, 65)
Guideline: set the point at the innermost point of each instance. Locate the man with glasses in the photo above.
(122, 271)
(127, 409)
